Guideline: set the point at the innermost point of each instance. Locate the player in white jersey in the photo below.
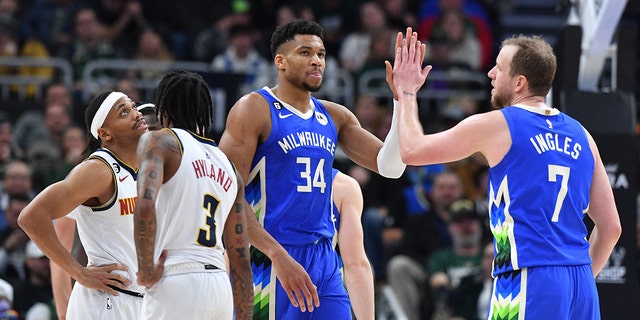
(101, 192)
(190, 213)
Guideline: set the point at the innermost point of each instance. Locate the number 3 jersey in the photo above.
(289, 185)
(539, 192)
(193, 206)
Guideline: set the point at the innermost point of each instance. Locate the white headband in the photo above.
(103, 111)
(146, 105)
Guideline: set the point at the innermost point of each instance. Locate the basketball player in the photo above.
(283, 142)
(545, 174)
(190, 210)
(67, 233)
(347, 214)
(102, 193)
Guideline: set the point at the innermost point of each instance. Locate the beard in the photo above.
(311, 88)
(500, 101)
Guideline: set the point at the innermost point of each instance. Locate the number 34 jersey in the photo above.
(539, 192)
(289, 185)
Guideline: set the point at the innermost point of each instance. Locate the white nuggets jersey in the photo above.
(106, 232)
(193, 206)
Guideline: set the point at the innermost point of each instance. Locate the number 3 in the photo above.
(207, 237)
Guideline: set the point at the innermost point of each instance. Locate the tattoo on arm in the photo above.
(148, 194)
(408, 93)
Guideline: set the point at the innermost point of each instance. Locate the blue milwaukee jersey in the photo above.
(289, 184)
(539, 192)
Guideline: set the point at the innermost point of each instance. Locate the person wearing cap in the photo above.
(35, 290)
(101, 194)
(447, 266)
(6, 301)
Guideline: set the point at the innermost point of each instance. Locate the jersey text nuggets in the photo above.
(306, 138)
(544, 142)
(206, 169)
(127, 205)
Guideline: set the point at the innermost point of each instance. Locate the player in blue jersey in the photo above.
(347, 215)
(283, 142)
(545, 175)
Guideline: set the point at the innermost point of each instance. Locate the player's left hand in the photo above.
(148, 279)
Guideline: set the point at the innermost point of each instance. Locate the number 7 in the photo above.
(555, 170)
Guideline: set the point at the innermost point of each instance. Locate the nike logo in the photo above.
(122, 179)
(284, 116)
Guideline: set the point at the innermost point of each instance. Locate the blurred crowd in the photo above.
(425, 233)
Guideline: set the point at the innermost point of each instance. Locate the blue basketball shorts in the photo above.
(549, 292)
(322, 263)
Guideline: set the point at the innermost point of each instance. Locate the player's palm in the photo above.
(297, 283)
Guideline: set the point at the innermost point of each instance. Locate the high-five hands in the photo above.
(407, 74)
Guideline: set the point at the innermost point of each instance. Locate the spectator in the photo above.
(35, 291)
(124, 23)
(11, 45)
(8, 9)
(51, 21)
(213, 40)
(32, 127)
(241, 56)
(337, 19)
(471, 299)
(128, 87)
(400, 15)
(459, 38)
(447, 266)
(369, 113)
(380, 49)
(52, 164)
(422, 235)
(17, 181)
(356, 44)
(90, 43)
(151, 47)
(475, 14)
(7, 151)
(6, 301)
(14, 241)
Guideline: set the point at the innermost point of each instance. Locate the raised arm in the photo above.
(236, 240)
(89, 180)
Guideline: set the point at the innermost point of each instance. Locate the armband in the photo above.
(389, 161)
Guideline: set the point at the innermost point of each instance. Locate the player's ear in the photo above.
(280, 61)
(104, 134)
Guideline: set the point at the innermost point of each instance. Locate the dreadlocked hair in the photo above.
(289, 30)
(90, 113)
(183, 100)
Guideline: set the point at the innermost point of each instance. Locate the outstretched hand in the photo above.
(296, 282)
(407, 73)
